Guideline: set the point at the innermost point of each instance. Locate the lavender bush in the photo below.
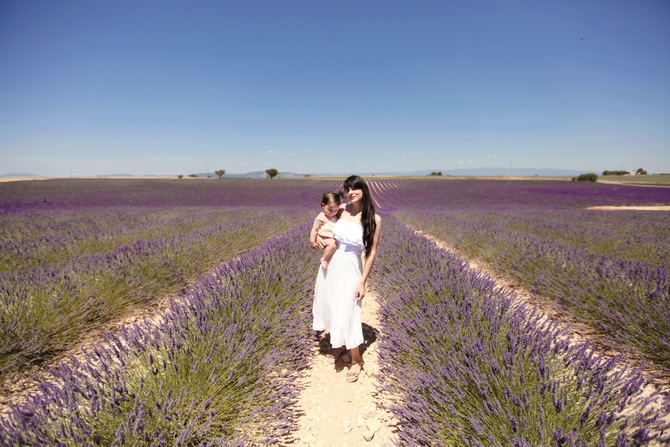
(627, 299)
(46, 309)
(86, 193)
(42, 237)
(469, 368)
(219, 370)
(630, 235)
(502, 195)
(77, 253)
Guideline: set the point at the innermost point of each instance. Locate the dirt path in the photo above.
(636, 208)
(337, 413)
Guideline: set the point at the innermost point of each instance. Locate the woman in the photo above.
(339, 291)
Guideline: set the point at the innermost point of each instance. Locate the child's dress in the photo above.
(335, 308)
(327, 228)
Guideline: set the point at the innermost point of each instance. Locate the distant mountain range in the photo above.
(465, 172)
(476, 172)
(20, 174)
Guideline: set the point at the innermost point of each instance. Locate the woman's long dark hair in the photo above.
(367, 209)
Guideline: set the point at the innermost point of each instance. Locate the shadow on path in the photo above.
(323, 339)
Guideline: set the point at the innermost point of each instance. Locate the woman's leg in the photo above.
(335, 355)
(356, 365)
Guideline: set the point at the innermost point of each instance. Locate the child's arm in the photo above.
(318, 223)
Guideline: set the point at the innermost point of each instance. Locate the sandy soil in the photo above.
(638, 208)
(16, 179)
(338, 413)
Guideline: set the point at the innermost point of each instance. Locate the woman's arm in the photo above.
(369, 260)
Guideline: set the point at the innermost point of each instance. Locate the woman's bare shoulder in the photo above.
(378, 219)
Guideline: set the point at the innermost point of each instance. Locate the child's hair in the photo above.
(330, 197)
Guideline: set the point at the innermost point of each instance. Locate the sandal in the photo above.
(352, 376)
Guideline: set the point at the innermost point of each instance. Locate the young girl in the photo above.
(324, 225)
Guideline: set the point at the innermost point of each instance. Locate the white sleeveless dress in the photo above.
(335, 308)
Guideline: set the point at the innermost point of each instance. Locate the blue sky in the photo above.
(177, 87)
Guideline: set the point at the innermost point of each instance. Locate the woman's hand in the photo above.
(360, 291)
(319, 243)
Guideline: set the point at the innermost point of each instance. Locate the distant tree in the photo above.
(180, 176)
(220, 172)
(193, 175)
(640, 172)
(436, 173)
(616, 172)
(272, 173)
(590, 177)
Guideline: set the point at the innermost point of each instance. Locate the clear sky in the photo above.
(177, 87)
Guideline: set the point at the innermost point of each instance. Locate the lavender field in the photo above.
(219, 368)
(607, 269)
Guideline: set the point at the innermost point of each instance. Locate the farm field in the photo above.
(220, 365)
(660, 179)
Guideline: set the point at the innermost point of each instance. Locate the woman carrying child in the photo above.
(340, 289)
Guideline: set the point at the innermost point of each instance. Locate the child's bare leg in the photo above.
(331, 246)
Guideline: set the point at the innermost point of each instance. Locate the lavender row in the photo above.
(628, 300)
(85, 193)
(46, 310)
(40, 237)
(218, 370)
(502, 195)
(632, 235)
(467, 367)
(391, 193)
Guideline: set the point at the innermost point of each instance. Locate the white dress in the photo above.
(335, 308)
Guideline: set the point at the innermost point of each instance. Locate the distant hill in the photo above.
(465, 172)
(523, 172)
(20, 174)
(116, 175)
(475, 172)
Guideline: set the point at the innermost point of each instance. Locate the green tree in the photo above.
(640, 172)
(590, 177)
(220, 172)
(180, 176)
(272, 173)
